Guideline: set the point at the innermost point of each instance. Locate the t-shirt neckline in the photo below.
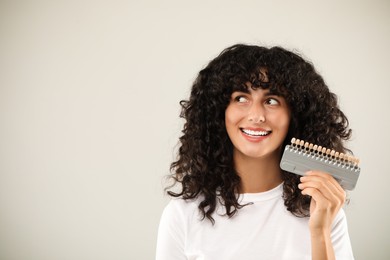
(262, 196)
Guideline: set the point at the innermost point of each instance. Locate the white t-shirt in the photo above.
(262, 230)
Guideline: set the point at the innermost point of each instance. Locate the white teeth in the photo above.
(255, 133)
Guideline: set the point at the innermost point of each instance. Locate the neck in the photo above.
(258, 174)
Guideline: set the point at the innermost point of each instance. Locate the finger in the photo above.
(328, 177)
(319, 186)
(326, 185)
(321, 183)
(318, 198)
(323, 195)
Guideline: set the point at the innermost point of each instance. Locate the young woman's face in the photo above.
(257, 122)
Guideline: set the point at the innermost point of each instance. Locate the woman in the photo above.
(234, 201)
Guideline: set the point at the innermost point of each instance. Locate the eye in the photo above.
(241, 99)
(272, 102)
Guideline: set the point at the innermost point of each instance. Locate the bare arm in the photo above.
(327, 199)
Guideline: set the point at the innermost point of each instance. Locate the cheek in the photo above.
(286, 121)
(282, 120)
(231, 119)
(228, 115)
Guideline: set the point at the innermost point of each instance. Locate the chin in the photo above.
(256, 154)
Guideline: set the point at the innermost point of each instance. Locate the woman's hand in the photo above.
(327, 197)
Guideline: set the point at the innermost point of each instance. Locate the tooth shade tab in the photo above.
(325, 153)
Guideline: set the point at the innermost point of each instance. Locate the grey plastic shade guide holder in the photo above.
(300, 157)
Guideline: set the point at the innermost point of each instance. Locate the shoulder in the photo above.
(175, 221)
(180, 210)
(179, 205)
(173, 228)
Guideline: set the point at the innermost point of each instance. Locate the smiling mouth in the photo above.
(255, 133)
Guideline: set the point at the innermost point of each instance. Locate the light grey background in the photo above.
(89, 94)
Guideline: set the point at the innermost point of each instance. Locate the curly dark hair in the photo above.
(205, 157)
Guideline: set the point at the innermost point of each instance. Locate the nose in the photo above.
(256, 114)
